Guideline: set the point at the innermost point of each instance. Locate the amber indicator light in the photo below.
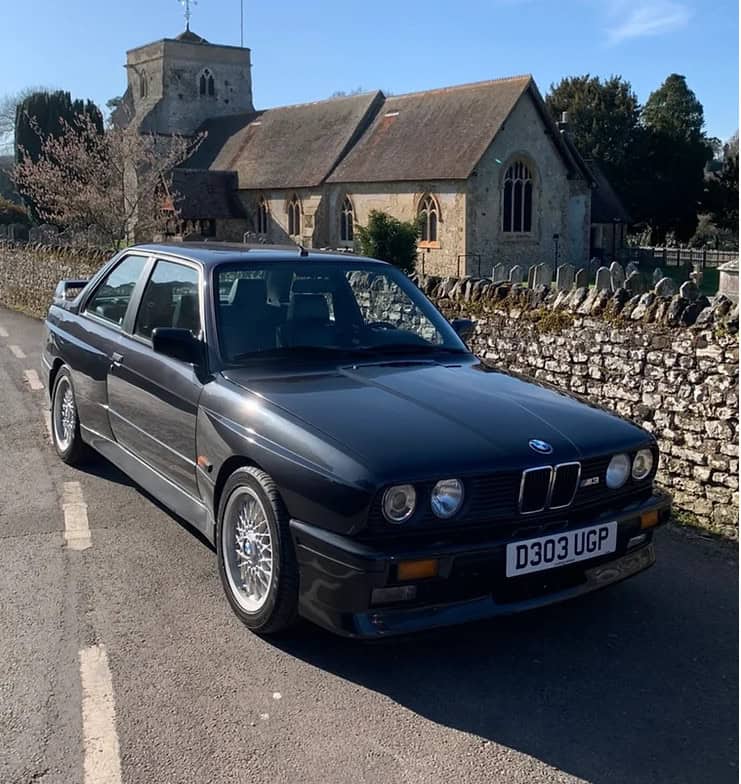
(649, 519)
(416, 570)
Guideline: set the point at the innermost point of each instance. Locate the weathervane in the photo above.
(186, 6)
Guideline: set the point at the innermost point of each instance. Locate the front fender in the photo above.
(318, 481)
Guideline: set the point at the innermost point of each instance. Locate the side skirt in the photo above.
(166, 492)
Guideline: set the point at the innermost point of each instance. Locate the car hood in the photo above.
(414, 419)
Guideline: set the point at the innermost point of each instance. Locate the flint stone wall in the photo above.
(30, 272)
(665, 363)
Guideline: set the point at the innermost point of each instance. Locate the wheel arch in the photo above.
(56, 366)
(228, 467)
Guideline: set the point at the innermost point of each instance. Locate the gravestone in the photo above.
(603, 279)
(516, 274)
(530, 277)
(18, 232)
(634, 283)
(630, 267)
(581, 281)
(543, 275)
(728, 279)
(658, 275)
(666, 287)
(45, 234)
(689, 291)
(617, 275)
(499, 272)
(565, 277)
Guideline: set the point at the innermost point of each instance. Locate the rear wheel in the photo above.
(256, 558)
(65, 421)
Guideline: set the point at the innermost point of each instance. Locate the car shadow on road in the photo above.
(102, 468)
(637, 683)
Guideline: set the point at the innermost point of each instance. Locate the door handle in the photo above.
(117, 358)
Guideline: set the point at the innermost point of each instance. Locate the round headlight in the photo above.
(643, 462)
(398, 503)
(618, 471)
(447, 497)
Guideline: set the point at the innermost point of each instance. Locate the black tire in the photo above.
(72, 449)
(280, 608)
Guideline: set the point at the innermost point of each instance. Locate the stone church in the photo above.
(483, 165)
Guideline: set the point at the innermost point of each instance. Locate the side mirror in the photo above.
(463, 328)
(178, 344)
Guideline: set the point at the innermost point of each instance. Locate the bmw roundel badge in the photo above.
(541, 447)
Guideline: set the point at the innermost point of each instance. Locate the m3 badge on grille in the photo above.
(592, 480)
(541, 447)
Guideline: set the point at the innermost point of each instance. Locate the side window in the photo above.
(111, 299)
(169, 300)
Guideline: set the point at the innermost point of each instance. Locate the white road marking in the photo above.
(277, 695)
(32, 377)
(76, 528)
(47, 421)
(17, 352)
(100, 741)
(3, 332)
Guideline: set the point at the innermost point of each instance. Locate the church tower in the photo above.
(177, 83)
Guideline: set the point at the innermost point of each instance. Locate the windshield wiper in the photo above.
(292, 351)
(410, 348)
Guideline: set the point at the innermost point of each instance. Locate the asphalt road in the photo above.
(634, 684)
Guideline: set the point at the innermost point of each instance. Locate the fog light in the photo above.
(401, 593)
(650, 519)
(416, 570)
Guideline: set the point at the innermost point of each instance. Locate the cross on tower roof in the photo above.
(187, 10)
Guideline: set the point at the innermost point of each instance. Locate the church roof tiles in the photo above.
(287, 147)
(432, 135)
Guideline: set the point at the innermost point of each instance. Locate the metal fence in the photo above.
(675, 257)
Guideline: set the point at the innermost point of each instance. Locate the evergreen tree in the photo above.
(603, 121)
(42, 115)
(673, 154)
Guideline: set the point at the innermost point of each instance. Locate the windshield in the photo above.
(310, 308)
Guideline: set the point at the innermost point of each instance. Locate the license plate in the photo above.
(547, 552)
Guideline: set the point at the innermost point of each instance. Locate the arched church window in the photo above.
(347, 221)
(143, 86)
(517, 195)
(294, 217)
(262, 216)
(206, 83)
(429, 215)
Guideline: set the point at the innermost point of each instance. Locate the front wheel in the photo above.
(65, 422)
(257, 562)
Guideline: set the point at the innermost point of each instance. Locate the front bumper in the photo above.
(338, 575)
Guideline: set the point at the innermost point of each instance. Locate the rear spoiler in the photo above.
(68, 290)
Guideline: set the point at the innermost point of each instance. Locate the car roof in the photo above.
(212, 253)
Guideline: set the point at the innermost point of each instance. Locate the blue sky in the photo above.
(304, 51)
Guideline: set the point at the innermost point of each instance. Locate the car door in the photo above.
(87, 342)
(153, 399)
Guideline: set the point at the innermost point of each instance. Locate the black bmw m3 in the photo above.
(317, 418)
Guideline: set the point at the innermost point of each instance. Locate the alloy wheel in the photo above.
(247, 545)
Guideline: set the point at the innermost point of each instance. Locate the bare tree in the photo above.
(113, 184)
(8, 104)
